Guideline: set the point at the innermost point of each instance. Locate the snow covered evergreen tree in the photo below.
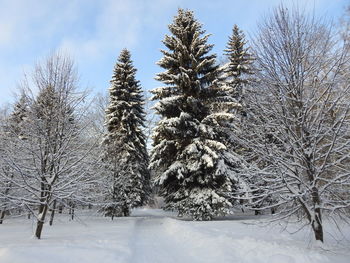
(236, 76)
(239, 65)
(12, 129)
(189, 158)
(19, 115)
(126, 155)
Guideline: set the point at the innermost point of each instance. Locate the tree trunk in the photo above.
(318, 229)
(42, 213)
(52, 212)
(241, 202)
(72, 213)
(126, 210)
(7, 190)
(317, 221)
(2, 215)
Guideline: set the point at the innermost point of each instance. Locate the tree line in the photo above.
(266, 130)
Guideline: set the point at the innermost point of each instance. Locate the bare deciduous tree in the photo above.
(300, 111)
(53, 163)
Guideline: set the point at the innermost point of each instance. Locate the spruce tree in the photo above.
(239, 63)
(234, 80)
(18, 116)
(126, 153)
(13, 132)
(188, 158)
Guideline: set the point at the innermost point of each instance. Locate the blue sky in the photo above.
(94, 32)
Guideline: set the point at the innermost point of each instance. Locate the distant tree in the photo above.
(239, 66)
(236, 74)
(18, 116)
(12, 128)
(188, 157)
(97, 115)
(125, 145)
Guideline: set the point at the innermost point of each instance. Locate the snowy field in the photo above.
(156, 236)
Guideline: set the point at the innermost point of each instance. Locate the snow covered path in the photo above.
(152, 243)
(155, 236)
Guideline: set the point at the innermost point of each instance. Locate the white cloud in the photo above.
(93, 31)
(90, 31)
(117, 25)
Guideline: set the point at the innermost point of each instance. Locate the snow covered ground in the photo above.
(151, 235)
